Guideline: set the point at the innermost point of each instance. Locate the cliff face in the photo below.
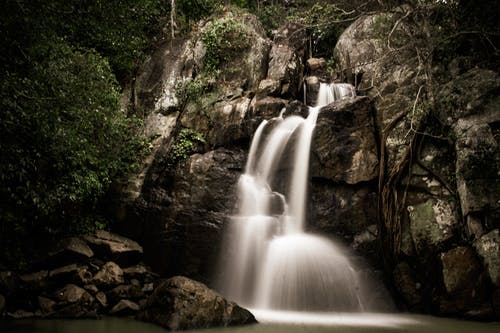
(438, 186)
(424, 185)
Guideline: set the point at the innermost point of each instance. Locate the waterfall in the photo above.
(270, 262)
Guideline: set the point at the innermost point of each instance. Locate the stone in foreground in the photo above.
(180, 303)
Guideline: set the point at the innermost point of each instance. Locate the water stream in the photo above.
(270, 262)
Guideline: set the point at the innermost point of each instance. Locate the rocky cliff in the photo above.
(385, 171)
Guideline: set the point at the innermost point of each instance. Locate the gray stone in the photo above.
(110, 275)
(460, 269)
(267, 107)
(432, 223)
(344, 147)
(312, 90)
(314, 64)
(115, 247)
(124, 308)
(181, 304)
(75, 302)
(488, 247)
(286, 65)
(21, 314)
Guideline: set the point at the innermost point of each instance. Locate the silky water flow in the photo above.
(270, 262)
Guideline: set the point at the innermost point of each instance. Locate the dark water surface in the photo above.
(337, 324)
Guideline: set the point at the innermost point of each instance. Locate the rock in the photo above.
(431, 224)
(2, 304)
(138, 271)
(341, 209)
(124, 308)
(102, 299)
(221, 121)
(478, 162)
(344, 147)
(115, 247)
(75, 302)
(68, 251)
(110, 275)
(460, 269)
(73, 294)
(314, 64)
(148, 287)
(286, 65)
(74, 273)
(406, 284)
(9, 282)
(267, 107)
(125, 292)
(91, 288)
(21, 314)
(35, 281)
(312, 90)
(46, 305)
(182, 304)
(488, 248)
(496, 302)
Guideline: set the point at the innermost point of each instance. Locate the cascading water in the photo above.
(270, 262)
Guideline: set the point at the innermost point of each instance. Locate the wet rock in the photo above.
(21, 314)
(344, 147)
(460, 269)
(91, 288)
(139, 271)
(72, 294)
(115, 247)
(46, 305)
(312, 90)
(110, 275)
(125, 292)
(148, 287)
(432, 223)
(102, 299)
(488, 248)
(181, 304)
(124, 308)
(75, 302)
(35, 281)
(68, 251)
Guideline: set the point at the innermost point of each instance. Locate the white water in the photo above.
(271, 263)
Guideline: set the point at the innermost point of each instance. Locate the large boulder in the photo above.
(286, 64)
(460, 269)
(488, 247)
(182, 304)
(109, 275)
(344, 147)
(114, 247)
(75, 302)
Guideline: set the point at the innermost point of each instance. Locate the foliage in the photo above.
(224, 39)
(63, 137)
(185, 144)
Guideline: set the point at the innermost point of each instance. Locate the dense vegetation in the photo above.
(64, 138)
